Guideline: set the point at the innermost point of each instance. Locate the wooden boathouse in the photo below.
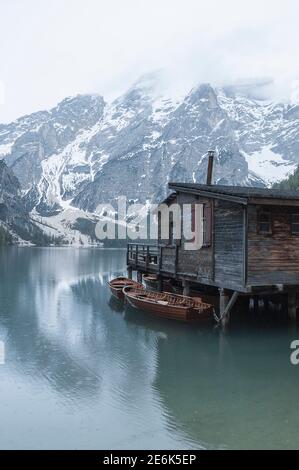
(251, 245)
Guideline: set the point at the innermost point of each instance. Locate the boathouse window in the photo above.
(264, 222)
(192, 217)
(171, 228)
(159, 225)
(295, 224)
(207, 224)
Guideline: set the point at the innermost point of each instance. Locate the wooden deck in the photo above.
(164, 261)
(143, 257)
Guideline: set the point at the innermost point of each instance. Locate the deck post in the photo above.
(186, 288)
(292, 305)
(136, 256)
(160, 284)
(129, 271)
(147, 259)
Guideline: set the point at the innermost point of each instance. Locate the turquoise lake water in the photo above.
(82, 371)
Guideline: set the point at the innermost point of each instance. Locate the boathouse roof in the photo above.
(241, 194)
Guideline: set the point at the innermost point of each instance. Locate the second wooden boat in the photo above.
(151, 282)
(117, 285)
(170, 306)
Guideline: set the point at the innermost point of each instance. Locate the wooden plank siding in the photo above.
(273, 258)
(222, 262)
(168, 259)
(229, 244)
(196, 263)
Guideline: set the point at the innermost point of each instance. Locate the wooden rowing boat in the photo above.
(170, 306)
(151, 282)
(117, 285)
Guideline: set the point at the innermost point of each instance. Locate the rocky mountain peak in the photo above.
(85, 151)
(203, 94)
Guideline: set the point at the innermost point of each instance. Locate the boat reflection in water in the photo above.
(76, 374)
(83, 371)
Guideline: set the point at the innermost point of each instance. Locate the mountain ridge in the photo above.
(86, 152)
(16, 225)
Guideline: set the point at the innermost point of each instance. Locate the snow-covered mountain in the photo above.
(86, 151)
(15, 223)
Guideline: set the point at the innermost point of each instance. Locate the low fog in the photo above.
(50, 50)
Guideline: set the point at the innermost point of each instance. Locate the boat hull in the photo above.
(116, 286)
(171, 312)
(117, 293)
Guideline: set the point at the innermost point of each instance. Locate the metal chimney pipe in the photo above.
(210, 166)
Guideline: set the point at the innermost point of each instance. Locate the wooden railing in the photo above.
(143, 256)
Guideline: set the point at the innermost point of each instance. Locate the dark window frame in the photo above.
(171, 229)
(294, 233)
(207, 219)
(264, 218)
(193, 220)
(171, 241)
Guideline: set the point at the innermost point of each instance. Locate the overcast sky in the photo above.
(50, 49)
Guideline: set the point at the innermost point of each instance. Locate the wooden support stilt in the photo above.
(292, 305)
(223, 302)
(186, 288)
(266, 303)
(160, 284)
(285, 303)
(255, 304)
(129, 271)
(226, 305)
(245, 303)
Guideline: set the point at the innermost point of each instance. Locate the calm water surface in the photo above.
(83, 372)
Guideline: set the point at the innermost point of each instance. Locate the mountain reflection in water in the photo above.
(84, 371)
